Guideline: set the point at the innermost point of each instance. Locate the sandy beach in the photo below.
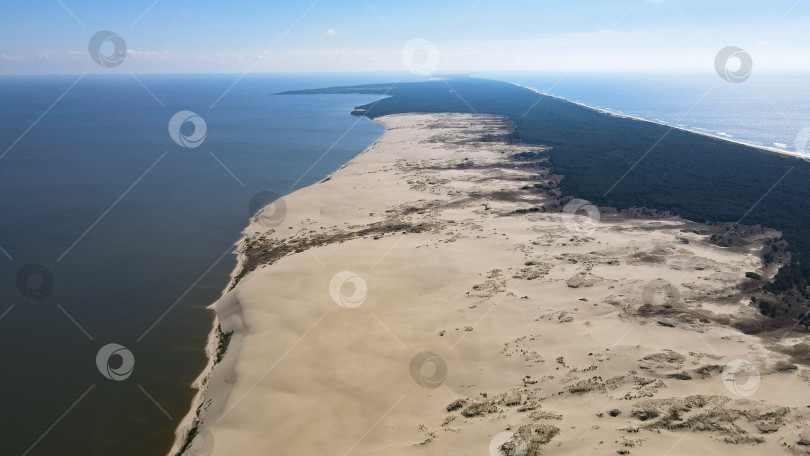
(435, 296)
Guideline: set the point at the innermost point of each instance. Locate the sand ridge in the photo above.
(434, 296)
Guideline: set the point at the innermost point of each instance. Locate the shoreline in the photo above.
(190, 420)
(416, 172)
(189, 423)
(674, 127)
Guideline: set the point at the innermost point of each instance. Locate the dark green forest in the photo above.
(695, 176)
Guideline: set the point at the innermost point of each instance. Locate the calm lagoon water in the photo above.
(151, 225)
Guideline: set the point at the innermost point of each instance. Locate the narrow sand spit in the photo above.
(430, 299)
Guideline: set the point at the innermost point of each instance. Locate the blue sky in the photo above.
(215, 36)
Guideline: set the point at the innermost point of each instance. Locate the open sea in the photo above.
(113, 233)
(767, 110)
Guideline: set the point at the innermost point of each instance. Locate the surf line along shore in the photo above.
(433, 296)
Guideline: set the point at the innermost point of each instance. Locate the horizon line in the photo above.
(454, 73)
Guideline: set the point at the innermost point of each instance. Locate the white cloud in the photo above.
(152, 55)
(331, 32)
(9, 58)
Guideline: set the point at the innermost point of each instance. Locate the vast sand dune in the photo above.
(427, 299)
